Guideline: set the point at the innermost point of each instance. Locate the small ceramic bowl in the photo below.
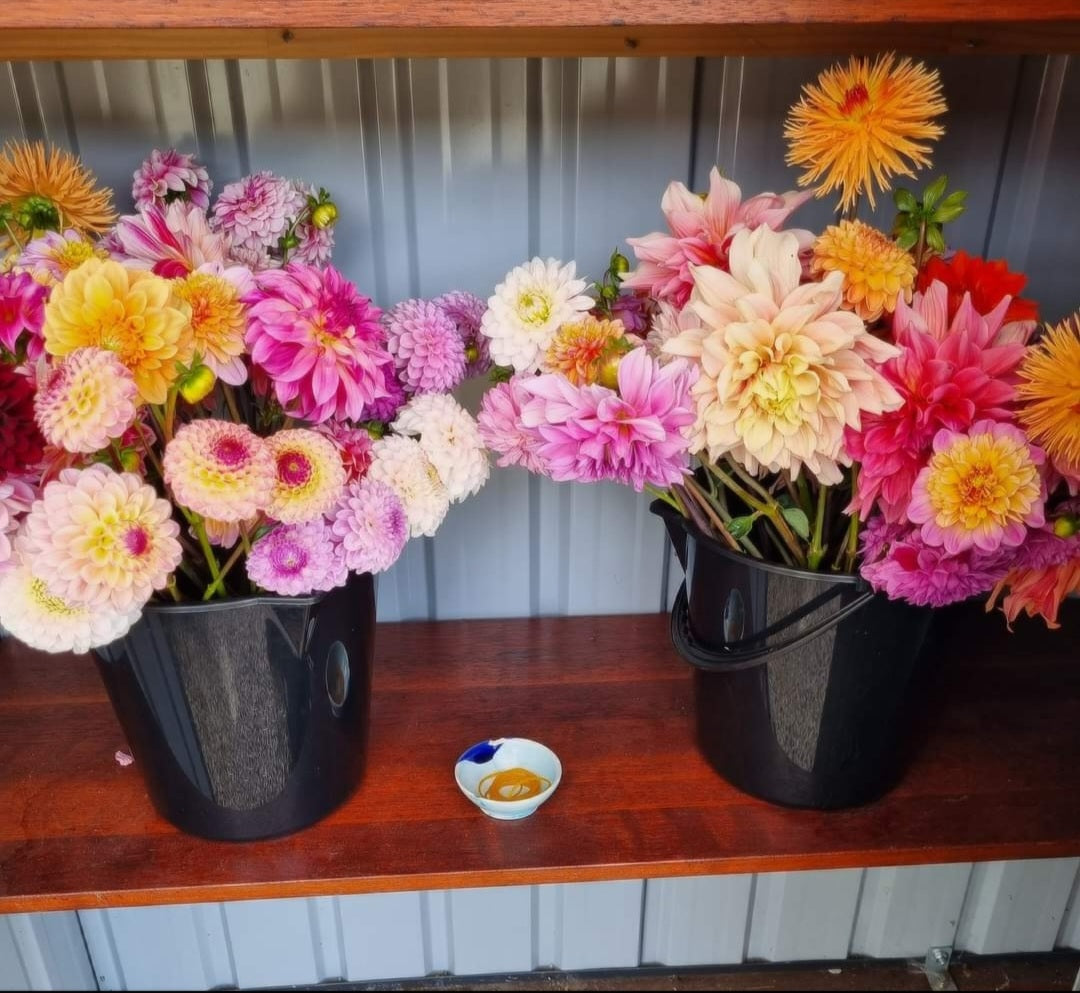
(508, 778)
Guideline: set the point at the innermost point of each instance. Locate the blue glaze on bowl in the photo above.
(482, 752)
(496, 754)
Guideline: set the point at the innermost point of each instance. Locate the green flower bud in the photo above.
(609, 369)
(196, 384)
(130, 460)
(324, 215)
(38, 213)
(620, 264)
(1067, 525)
(472, 353)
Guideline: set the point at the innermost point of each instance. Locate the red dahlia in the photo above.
(988, 281)
(21, 444)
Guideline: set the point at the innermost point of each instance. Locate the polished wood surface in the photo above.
(57, 29)
(995, 773)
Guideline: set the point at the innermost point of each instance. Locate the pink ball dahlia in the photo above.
(87, 399)
(16, 498)
(950, 374)
(635, 436)
(467, 312)
(22, 312)
(170, 175)
(700, 233)
(255, 212)
(371, 525)
(980, 490)
(100, 538)
(220, 470)
(501, 428)
(169, 241)
(319, 341)
(297, 559)
(353, 445)
(310, 475)
(428, 352)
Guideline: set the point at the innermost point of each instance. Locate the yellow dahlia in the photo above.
(1050, 396)
(60, 180)
(218, 316)
(862, 123)
(876, 271)
(100, 538)
(128, 311)
(579, 349)
(783, 370)
(310, 475)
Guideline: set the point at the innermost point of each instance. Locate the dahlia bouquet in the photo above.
(194, 404)
(850, 399)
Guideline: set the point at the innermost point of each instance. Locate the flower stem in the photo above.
(920, 245)
(664, 495)
(850, 551)
(817, 549)
(767, 506)
(220, 578)
(208, 553)
(720, 510)
(230, 400)
(695, 490)
(118, 458)
(12, 236)
(170, 416)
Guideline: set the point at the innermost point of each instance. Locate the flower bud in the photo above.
(472, 353)
(620, 264)
(324, 215)
(196, 384)
(1067, 525)
(609, 369)
(129, 459)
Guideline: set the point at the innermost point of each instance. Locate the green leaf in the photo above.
(798, 520)
(905, 200)
(906, 240)
(934, 192)
(934, 238)
(739, 527)
(943, 215)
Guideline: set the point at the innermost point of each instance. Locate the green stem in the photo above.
(719, 506)
(850, 551)
(170, 416)
(207, 549)
(173, 591)
(220, 578)
(694, 489)
(920, 245)
(230, 399)
(117, 455)
(805, 498)
(667, 497)
(774, 512)
(817, 549)
(13, 236)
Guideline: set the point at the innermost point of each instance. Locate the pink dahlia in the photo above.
(635, 436)
(169, 176)
(899, 563)
(100, 538)
(169, 241)
(52, 256)
(700, 233)
(501, 428)
(371, 525)
(220, 470)
(21, 444)
(297, 559)
(22, 312)
(353, 445)
(979, 490)
(255, 212)
(87, 399)
(428, 352)
(385, 408)
(467, 313)
(314, 244)
(16, 498)
(310, 475)
(319, 341)
(950, 374)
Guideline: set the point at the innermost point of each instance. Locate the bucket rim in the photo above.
(669, 513)
(240, 602)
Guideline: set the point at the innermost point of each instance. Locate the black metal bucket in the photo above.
(801, 679)
(248, 718)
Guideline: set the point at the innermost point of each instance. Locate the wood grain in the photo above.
(995, 774)
(54, 29)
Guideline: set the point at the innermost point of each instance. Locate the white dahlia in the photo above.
(528, 307)
(450, 439)
(401, 463)
(36, 616)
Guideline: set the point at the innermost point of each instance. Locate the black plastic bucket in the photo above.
(248, 718)
(801, 679)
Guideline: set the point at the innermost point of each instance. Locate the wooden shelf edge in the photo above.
(769, 39)
(29, 903)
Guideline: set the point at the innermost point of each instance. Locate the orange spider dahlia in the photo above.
(1050, 396)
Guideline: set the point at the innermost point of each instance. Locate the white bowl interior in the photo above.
(509, 753)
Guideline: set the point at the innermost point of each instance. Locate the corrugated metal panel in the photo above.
(696, 920)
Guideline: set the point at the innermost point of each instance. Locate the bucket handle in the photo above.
(735, 659)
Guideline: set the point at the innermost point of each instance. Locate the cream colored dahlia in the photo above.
(528, 307)
(310, 475)
(41, 619)
(451, 440)
(783, 369)
(218, 317)
(100, 538)
(85, 400)
(220, 470)
(669, 322)
(401, 464)
(128, 311)
(876, 271)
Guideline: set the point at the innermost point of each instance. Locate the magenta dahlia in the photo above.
(386, 407)
(319, 341)
(21, 444)
(467, 311)
(501, 428)
(297, 559)
(167, 176)
(428, 352)
(22, 311)
(169, 241)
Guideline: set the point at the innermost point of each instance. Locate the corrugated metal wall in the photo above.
(448, 173)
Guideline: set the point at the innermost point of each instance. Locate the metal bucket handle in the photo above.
(735, 658)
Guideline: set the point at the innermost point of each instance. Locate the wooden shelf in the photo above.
(116, 29)
(996, 774)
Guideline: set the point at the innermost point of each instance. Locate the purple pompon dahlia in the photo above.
(170, 175)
